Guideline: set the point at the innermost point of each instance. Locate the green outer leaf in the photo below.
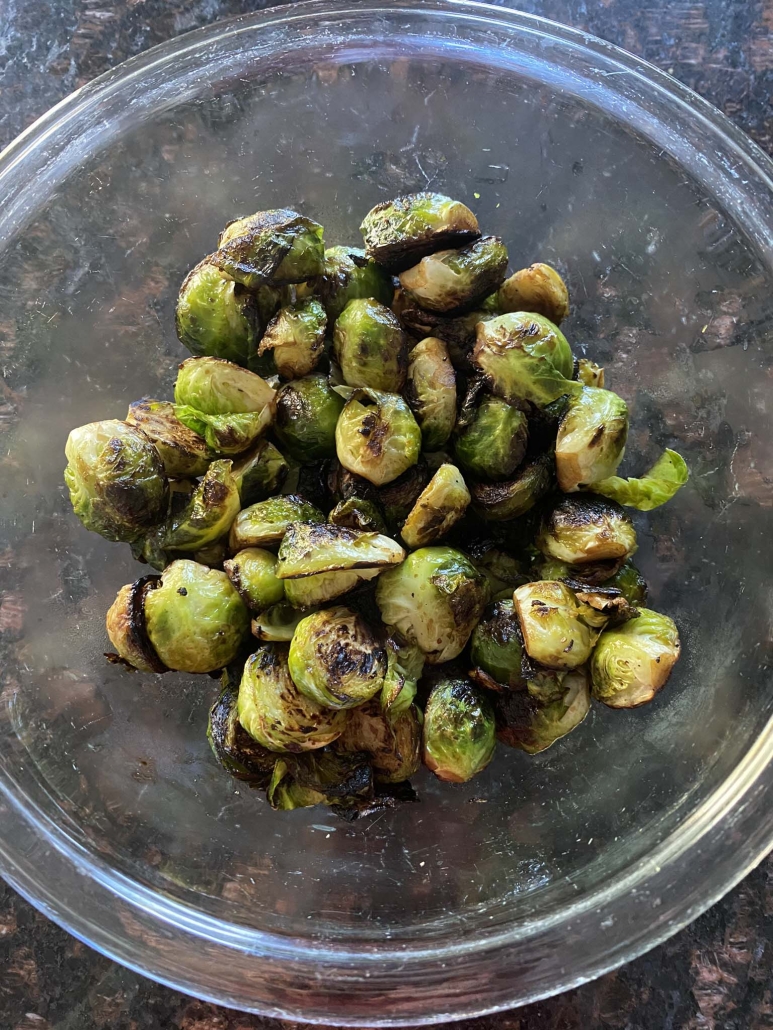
(655, 487)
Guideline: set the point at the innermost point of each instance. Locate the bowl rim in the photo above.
(710, 834)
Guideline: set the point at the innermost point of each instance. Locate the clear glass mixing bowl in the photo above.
(544, 871)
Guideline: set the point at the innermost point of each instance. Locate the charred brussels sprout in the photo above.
(452, 279)
(195, 619)
(271, 248)
(335, 659)
(499, 502)
(590, 374)
(496, 649)
(116, 479)
(253, 573)
(405, 663)
(591, 438)
(493, 443)
(266, 522)
(459, 731)
(127, 629)
(586, 529)
(398, 497)
(526, 357)
(276, 713)
(632, 662)
(393, 745)
(377, 436)
(309, 549)
(630, 582)
(370, 346)
(285, 794)
(434, 599)
(439, 507)
(457, 333)
(231, 745)
(356, 513)
(431, 391)
(555, 631)
(667, 475)
(295, 338)
(350, 275)
(307, 411)
(259, 473)
(208, 514)
(311, 591)
(400, 232)
(182, 451)
(216, 316)
(227, 405)
(538, 289)
(530, 725)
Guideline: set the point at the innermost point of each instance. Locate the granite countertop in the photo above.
(718, 973)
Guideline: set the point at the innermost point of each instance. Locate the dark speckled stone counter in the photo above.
(715, 975)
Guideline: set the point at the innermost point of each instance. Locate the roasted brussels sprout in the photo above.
(393, 744)
(586, 529)
(311, 591)
(208, 514)
(336, 660)
(271, 248)
(496, 648)
(350, 275)
(295, 338)
(400, 232)
(266, 522)
(227, 405)
(259, 473)
(591, 438)
(439, 507)
(377, 436)
(216, 316)
(555, 631)
(285, 794)
(278, 623)
(127, 629)
(231, 745)
(538, 289)
(493, 443)
(398, 497)
(431, 391)
(434, 599)
(308, 549)
(531, 725)
(449, 280)
(457, 333)
(632, 662)
(499, 502)
(307, 411)
(526, 357)
(590, 374)
(356, 513)
(195, 619)
(276, 713)
(183, 452)
(330, 775)
(370, 346)
(657, 486)
(459, 734)
(405, 663)
(116, 479)
(253, 573)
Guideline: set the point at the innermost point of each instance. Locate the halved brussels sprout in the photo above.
(227, 405)
(284, 794)
(116, 479)
(307, 411)
(259, 473)
(278, 623)
(499, 502)
(496, 647)
(216, 316)
(434, 599)
(182, 451)
(312, 591)
(493, 443)
(555, 632)
(370, 346)
(253, 573)
(431, 391)
(208, 514)
(127, 629)
(195, 619)
(336, 660)
(532, 726)
(590, 374)
(632, 662)
(452, 279)
(271, 248)
(667, 475)
(393, 744)
(356, 513)
(400, 232)
(405, 663)
(231, 745)
(459, 731)
(266, 522)
(350, 275)
(526, 357)
(295, 338)
(276, 713)
(586, 529)
(377, 436)
(591, 438)
(439, 507)
(538, 289)
(308, 549)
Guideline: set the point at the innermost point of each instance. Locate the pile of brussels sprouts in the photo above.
(388, 466)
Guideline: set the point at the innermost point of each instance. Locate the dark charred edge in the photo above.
(584, 511)
(387, 796)
(487, 682)
(138, 624)
(115, 659)
(399, 257)
(502, 502)
(233, 572)
(474, 387)
(512, 714)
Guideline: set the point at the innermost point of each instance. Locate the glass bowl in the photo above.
(547, 870)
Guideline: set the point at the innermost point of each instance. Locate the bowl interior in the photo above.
(671, 292)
